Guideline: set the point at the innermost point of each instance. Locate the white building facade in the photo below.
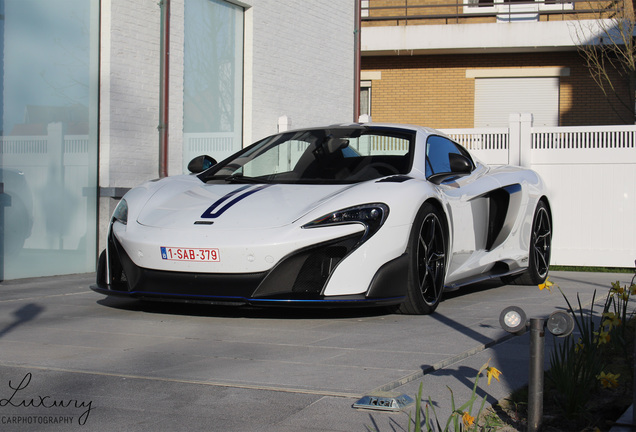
(230, 71)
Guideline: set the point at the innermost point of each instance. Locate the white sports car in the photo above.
(347, 215)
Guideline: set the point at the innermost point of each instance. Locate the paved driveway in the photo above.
(72, 359)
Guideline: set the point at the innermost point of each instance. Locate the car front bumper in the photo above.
(299, 279)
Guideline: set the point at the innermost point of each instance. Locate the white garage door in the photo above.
(496, 98)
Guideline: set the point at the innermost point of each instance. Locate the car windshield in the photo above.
(333, 155)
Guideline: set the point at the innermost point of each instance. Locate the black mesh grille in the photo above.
(317, 268)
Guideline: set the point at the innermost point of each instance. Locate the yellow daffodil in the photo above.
(491, 373)
(579, 346)
(617, 288)
(608, 380)
(467, 419)
(611, 320)
(602, 337)
(547, 284)
(632, 289)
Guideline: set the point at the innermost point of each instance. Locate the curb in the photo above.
(626, 422)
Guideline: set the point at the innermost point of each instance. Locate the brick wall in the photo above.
(447, 12)
(302, 64)
(434, 91)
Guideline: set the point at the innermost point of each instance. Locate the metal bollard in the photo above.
(535, 382)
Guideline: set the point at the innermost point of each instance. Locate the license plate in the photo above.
(188, 254)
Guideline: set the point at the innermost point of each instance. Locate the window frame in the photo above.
(460, 150)
(501, 6)
(366, 85)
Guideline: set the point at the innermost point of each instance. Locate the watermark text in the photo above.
(16, 400)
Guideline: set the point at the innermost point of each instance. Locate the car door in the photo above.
(466, 186)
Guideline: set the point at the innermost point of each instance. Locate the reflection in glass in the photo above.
(213, 75)
(48, 136)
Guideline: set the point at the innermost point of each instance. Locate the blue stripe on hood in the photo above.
(210, 213)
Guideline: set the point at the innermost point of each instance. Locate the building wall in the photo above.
(301, 64)
(129, 85)
(129, 108)
(298, 62)
(433, 90)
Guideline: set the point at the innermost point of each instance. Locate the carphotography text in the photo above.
(17, 406)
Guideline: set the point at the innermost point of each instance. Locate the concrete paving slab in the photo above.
(165, 367)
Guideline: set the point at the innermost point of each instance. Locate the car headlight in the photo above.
(121, 212)
(372, 216)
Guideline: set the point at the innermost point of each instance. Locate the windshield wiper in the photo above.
(240, 178)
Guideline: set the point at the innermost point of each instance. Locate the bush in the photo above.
(598, 360)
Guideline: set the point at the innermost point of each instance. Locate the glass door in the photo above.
(48, 137)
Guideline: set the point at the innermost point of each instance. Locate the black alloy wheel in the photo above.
(540, 249)
(541, 244)
(428, 257)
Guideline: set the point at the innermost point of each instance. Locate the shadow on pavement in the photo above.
(23, 315)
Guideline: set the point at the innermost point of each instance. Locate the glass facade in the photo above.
(213, 79)
(48, 137)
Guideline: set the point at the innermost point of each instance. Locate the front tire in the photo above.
(427, 250)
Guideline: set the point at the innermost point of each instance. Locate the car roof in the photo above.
(398, 126)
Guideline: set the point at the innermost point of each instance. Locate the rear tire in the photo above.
(427, 250)
(540, 249)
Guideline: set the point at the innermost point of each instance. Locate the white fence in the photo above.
(590, 173)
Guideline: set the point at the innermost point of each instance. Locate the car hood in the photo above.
(181, 204)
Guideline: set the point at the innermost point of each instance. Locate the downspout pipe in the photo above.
(164, 88)
(357, 60)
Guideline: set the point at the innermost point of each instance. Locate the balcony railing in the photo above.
(413, 12)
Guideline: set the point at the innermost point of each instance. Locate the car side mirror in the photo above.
(201, 163)
(460, 164)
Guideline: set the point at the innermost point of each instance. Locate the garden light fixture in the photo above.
(514, 320)
(560, 324)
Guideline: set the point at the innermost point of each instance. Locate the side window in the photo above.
(438, 151)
